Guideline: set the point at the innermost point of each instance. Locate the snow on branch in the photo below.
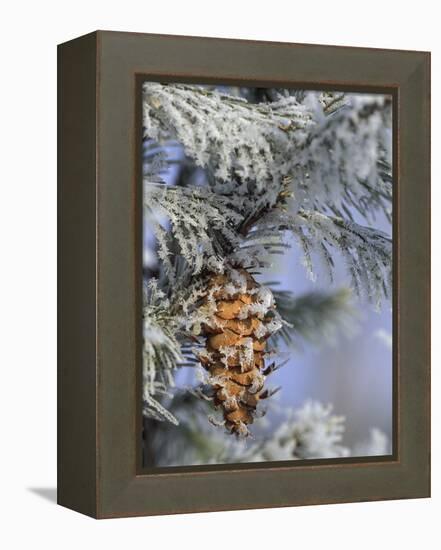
(170, 314)
(312, 431)
(206, 229)
(202, 224)
(309, 432)
(161, 352)
(238, 142)
(336, 149)
(367, 251)
(349, 156)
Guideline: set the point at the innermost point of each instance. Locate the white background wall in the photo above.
(29, 34)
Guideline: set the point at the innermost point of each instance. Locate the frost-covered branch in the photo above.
(169, 317)
(328, 151)
(244, 146)
(336, 150)
(309, 432)
(207, 231)
(202, 224)
(366, 251)
(349, 156)
(161, 352)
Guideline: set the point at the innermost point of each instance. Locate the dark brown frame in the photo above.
(99, 274)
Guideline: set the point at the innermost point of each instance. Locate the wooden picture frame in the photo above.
(100, 218)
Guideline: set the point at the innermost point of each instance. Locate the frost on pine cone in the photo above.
(239, 316)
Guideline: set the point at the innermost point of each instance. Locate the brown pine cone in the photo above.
(239, 317)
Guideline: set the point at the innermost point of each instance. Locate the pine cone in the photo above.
(239, 318)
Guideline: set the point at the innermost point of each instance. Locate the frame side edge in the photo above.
(76, 387)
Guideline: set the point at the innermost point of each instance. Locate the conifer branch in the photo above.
(336, 151)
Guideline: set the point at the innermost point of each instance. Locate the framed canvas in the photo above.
(244, 274)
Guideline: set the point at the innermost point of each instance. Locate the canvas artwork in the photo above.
(267, 275)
